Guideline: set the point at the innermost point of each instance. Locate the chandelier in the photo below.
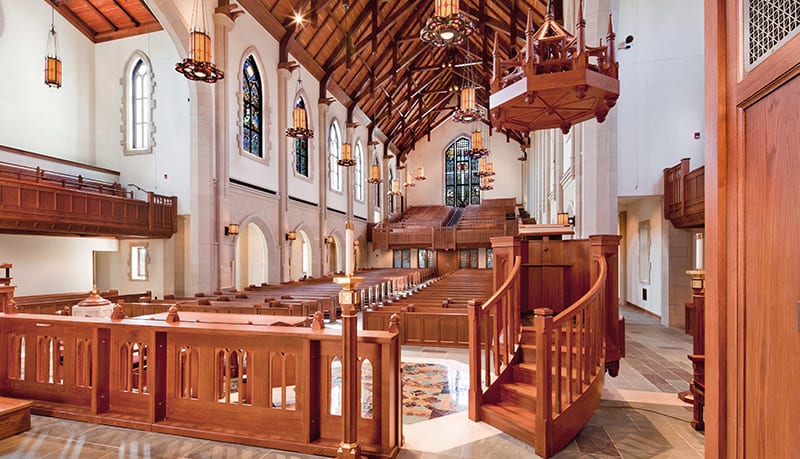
(52, 63)
(375, 174)
(420, 174)
(486, 184)
(556, 81)
(299, 129)
(478, 149)
(198, 66)
(395, 191)
(409, 180)
(467, 111)
(447, 27)
(347, 156)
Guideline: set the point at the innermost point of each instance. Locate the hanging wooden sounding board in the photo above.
(555, 81)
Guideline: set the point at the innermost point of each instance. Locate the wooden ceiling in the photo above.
(368, 54)
(105, 20)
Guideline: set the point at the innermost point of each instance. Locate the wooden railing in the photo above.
(494, 335)
(441, 238)
(684, 195)
(276, 387)
(38, 201)
(570, 362)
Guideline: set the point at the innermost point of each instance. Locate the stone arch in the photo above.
(272, 259)
(301, 252)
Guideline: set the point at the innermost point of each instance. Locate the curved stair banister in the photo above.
(506, 373)
(572, 347)
(493, 339)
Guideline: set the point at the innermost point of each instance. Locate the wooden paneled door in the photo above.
(752, 217)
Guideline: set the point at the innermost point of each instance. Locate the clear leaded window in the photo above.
(301, 148)
(251, 108)
(490, 258)
(462, 184)
(334, 155)
(141, 100)
(358, 186)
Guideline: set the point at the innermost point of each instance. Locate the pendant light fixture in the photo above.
(447, 27)
(299, 129)
(52, 63)
(467, 111)
(347, 156)
(198, 66)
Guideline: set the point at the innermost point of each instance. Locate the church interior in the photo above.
(448, 228)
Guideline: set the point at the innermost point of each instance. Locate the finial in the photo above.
(117, 314)
(172, 316)
(529, 27)
(394, 323)
(610, 25)
(580, 13)
(318, 323)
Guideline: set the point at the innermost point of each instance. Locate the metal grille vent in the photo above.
(768, 24)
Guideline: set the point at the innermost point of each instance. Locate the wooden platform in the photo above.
(15, 416)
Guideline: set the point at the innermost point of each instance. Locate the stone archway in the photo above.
(252, 257)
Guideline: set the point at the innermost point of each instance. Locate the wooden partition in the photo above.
(38, 201)
(275, 387)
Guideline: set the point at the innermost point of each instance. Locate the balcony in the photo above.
(684, 195)
(37, 201)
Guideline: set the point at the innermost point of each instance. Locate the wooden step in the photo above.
(528, 335)
(525, 373)
(520, 394)
(511, 419)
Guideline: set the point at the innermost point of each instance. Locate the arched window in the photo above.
(358, 187)
(251, 107)
(138, 83)
(462, 184)
(334, 155)
(301, 147)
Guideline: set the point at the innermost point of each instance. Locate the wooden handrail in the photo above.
(494, 334)
(570, 359)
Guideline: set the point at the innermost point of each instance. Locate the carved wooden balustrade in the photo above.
(684, 195)
(570, 356)
(33, 200)
(276, 387)
(494, 334)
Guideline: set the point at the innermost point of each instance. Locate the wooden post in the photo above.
(475, 388)
(543, 427)
(607, 246)
(348, 299)
(698, 357)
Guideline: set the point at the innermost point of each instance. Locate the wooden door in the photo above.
(753, 254)
(771, 268)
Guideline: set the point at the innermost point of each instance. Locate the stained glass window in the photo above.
(301, 148)
(140, 109)
(251, 108)
(468, 258)
(402, 258)
(461, 182)
(334, 155)
(425, 258)
(490, 258)
(358, 186)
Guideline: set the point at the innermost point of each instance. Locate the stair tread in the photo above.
(512, 413)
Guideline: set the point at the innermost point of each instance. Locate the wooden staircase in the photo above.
(513, 411)
(542, 383)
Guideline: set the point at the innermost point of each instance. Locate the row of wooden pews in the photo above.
(433, 313)
(302, 298)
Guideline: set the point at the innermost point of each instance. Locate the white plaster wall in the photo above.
(55, 166)
(661, 91)
(430, 155)
(164, 171)
(51, 264)
(248, 36)
(639, 210)
(113, 268)
(35, 117)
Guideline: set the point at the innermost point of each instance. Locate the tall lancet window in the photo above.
(358, 186)
(334, 155)
(301, 147)
(138, 118)
(462, 186)
(251, 108)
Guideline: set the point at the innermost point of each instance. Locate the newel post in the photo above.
(607, 246)
(474, 308)
(543, 427)
(348, 299)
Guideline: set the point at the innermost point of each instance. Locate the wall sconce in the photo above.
(329, 240)
(291, 236)
(356, 243)
(571, 221)
(232, 229)
(563, 218)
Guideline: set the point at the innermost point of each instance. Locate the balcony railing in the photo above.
(684, 195)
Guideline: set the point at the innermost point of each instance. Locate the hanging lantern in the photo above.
(347, 156)
(375, 174)
(52, 63)
(448, 26)
(299, 129)
(198, 66)
(420, 173)
(477, 150)
(395, 187)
